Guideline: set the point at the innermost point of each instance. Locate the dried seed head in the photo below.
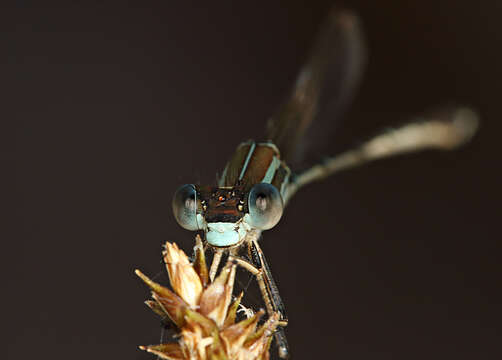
(204, 314)
(184, 280)
(216, 299)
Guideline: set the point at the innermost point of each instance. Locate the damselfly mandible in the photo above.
(257, 182)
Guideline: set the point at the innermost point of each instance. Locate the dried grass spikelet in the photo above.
(204, 313)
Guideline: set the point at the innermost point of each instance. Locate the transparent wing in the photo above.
(325, 84)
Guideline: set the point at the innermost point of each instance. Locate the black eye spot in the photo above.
(190, 204)
(261, 202)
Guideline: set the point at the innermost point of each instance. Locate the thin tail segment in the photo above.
(444, 130)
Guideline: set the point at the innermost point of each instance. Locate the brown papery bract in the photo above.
(204, 313)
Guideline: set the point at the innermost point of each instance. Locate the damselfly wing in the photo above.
(257, 182)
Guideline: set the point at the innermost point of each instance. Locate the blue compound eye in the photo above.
(185, 204)
(265, 206)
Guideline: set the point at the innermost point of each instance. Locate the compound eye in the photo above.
(265, 206)
(185, 205)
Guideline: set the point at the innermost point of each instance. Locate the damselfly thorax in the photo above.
(257, 183)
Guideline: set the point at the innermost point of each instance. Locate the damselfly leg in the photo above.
(257, 265)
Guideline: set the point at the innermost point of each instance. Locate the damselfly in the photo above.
(257, 182)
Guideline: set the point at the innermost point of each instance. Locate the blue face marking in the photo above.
(224, 234)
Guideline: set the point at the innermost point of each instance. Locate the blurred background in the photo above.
(113, 105)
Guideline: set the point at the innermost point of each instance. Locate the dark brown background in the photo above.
(116, 105)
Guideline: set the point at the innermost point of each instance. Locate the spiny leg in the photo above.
(268, 289)
(279, 335)
(258, 258)
(445, 131)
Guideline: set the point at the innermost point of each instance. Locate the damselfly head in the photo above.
(227, 214)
